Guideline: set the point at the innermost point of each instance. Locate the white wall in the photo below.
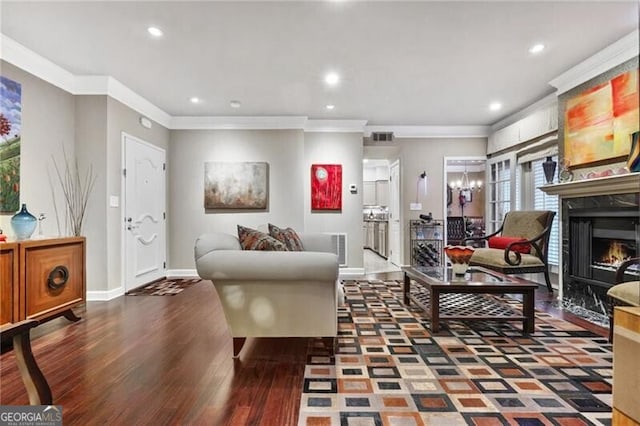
(345, 149)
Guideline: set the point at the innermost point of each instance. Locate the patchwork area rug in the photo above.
(389, 369)
(166, 287)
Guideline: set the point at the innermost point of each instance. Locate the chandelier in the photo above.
(464, 184)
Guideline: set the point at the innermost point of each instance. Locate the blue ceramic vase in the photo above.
(23, 223)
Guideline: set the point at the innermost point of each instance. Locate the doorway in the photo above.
(464, 198)
(144, 212)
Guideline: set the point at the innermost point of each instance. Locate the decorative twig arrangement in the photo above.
(76, 189)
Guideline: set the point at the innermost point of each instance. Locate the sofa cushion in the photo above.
(503, 242)
(251, 239)
(287, 236)
(495, 257)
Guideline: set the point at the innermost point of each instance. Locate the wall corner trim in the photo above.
(182, 273)
(238, 123)
(104, 295)
(609, 57)
(350, 272)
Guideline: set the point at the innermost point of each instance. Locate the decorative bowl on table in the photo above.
(459, 257)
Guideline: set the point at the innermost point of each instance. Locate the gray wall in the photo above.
(47, 126)
(423, 154)
(290, 154)
(345, 149)
(190, 149)
(91, 150)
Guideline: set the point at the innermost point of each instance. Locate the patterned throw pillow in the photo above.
(251, 239)
(287, 236)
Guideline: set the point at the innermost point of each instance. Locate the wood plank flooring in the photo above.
(167, 360)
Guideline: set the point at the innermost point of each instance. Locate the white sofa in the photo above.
(272, 293)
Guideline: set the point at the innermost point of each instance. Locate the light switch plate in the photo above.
(415, 206)
(114, 201)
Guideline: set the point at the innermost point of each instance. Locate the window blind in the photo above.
(543, 201)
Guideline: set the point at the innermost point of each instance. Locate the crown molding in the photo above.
(238, 123)
(122, 93)
(26, 59)
(335, 126)
(431, 131)
(612, 55)
(546, 102)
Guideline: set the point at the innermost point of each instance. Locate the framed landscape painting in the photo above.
(326, 187)
(599, 121)
(10, 128)
(242, 185)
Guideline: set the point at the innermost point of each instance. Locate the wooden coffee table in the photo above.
(437, 281)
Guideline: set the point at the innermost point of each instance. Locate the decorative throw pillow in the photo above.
(503, 242)
(288, 237)
(251, 239)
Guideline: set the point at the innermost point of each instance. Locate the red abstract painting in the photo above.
(326, 187)
(599, 121)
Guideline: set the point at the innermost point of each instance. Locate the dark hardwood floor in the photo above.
(167, 360)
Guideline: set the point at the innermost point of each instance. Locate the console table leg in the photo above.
(37, 387)
(407, 290)
(70, 315)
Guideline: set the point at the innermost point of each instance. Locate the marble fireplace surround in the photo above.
(611, 192)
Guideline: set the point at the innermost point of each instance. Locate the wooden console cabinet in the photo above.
(42, 279)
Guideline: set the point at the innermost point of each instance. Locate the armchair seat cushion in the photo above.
(628, 293)
(495, 258)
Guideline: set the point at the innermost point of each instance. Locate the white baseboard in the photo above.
(350, 272)
(182, 273)
(104, 295)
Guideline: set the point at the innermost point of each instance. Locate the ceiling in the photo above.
(400, 63)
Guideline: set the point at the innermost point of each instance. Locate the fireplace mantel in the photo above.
(618, 184)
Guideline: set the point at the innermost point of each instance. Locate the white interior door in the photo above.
(144, 207)
(394, 214)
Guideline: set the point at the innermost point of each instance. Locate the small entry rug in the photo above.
(165, 287)
(389, 369)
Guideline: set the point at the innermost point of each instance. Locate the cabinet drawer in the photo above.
(45, 268)
(8, 283)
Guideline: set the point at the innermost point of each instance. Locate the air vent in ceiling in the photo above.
(382, 136)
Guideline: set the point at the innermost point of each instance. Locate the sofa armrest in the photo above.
(313, 241)
(248, 265)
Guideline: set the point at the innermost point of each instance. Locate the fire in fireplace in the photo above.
(599, 241)
(610, 253)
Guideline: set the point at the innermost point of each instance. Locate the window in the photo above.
(543, 201)
(499, 187)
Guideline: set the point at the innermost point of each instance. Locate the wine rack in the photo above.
(426, 243)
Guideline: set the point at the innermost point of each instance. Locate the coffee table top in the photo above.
(475, 276)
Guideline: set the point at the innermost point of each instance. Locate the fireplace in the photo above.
(598, 233)
(600, 239)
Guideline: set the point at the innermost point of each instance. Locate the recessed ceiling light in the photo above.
(155, 31)
(495, 106)
(195, 100)
(536, 48)
(330, 106)
(365, 160)
(235, 104)
(332, 79)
